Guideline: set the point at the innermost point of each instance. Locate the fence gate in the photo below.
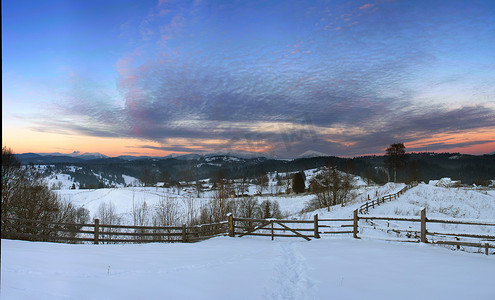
(272, 228)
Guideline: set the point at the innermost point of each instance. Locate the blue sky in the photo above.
(340, 77)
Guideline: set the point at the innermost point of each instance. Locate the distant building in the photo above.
(445, 182)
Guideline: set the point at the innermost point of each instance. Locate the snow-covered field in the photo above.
(256, 267)
(244, 268)
(125, 198)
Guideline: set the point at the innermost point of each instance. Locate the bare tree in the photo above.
(199, 187)
(331, 187)
(262, 181)
(25, 195)
(148, 178)
(108, 216)
(141, 214)
(219, 205)
(166, 212)
(241, 187)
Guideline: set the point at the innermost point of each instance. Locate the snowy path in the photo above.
(244, 268)
(290, 275)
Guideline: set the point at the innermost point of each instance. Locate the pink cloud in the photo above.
(161, 2)
(176, 23)
(367, 5)
(163, 12)
(124, 64)
(163, 39)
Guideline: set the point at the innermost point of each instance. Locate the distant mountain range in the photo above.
(78, 157)
(311, 153)
(77, 154)
(91, 169)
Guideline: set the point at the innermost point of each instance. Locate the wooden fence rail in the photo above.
(482, 241)
(38, 230)
(363, 209)
(246, 226)
(33, 230)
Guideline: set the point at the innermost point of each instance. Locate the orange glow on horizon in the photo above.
(23, 140)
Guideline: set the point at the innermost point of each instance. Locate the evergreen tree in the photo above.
(298, 185)
(395, 157)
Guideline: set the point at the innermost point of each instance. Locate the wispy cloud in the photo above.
(346, 91)
(367, 5)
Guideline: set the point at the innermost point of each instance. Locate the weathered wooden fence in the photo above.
(363, 209)
(412, 233)
(34, 230)
(12, 228)
(285, 228)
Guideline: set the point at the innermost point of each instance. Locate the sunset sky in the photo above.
(344, 78)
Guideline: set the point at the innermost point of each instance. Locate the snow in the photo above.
(441, 202)
(244, 268)
(60, 181)
(123, 199)
(130, 181)
(256, 267)
(445, 182)
(311, 153)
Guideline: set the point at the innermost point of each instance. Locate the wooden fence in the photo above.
(422, 234)
(278, 228)
(485, 241)
(285, 228)
(363, 209)
(13, 228)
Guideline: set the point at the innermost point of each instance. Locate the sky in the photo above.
(344, 78)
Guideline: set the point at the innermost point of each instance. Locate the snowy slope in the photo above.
(244, 268)
(442, 203)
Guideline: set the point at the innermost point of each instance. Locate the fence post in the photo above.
(423, 225)
(317, 234)
(97, 231)
(272, 230)
(356, 219)
(184, 236)
(486, 247)
(231, 225)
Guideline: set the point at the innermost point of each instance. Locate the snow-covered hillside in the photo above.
(124, 199)
(244, 268)
(441, 202)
